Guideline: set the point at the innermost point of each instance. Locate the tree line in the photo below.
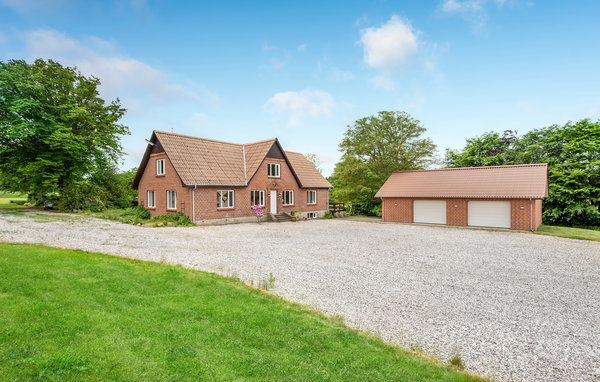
(59, 139)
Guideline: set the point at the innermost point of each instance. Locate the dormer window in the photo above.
(273, 170)
(160, 167)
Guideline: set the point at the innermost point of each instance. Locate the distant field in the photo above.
(6, 198)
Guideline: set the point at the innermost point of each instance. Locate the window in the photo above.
(171, 200)
(257, 198)
(311, 197)
(225, 199)
(273, 170)
(311, 215)
(160, 167)
(151, 200)
(288, 198)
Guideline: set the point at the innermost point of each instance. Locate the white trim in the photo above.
(308, 198)
(261, 197)
(168, 200)
(230, 200)
(312, 215)
(153, 199)
(161, 167)
(277, 166)
(283, 198)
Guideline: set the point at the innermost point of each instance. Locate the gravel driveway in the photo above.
(515, 306)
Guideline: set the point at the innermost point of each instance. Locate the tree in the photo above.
(315, 160)
(374, 147)
(572, 152)
(55, 130)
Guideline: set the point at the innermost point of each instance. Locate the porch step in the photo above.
(282, 218)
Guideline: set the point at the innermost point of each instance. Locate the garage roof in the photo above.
(505, 182)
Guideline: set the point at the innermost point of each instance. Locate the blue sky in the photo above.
(247, 71)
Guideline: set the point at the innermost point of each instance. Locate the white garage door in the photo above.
(429, 211)
(489, 214)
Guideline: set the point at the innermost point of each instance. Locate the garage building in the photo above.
(495, 196)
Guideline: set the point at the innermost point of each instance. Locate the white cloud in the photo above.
(301, 105)
(120, 76)
(390, 45)
(301, 47)
(476, 10)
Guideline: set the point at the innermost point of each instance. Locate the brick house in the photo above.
(213, 181)
(495, 196)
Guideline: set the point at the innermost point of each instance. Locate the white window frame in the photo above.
(169, 207)
(275, 166)
(230, 199)
(311, 192)
(311, 215)
(153, 205)
(291, 193)
(160, 167)
(261, 197)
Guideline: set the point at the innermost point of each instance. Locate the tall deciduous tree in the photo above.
(374, 147)
(54, 128)
(572, 152)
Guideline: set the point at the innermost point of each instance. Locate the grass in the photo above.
(570, 232)
(7, 200)
(74, 315)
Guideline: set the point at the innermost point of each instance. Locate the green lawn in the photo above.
(5, 200)
(74, 315)
(572, 233)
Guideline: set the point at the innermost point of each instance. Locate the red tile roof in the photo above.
(515, 181)
(206, 162)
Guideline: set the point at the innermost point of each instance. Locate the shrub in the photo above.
(138, 212)
(178, 219)
(328, 215)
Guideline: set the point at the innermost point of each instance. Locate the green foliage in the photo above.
(374, 147)
(81, 316)
(590, 233)
(109, 186)
(54, 128)
(138, 212)
(178, 219)
(572, 152)
(328, 215)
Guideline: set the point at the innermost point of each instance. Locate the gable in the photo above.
(206, 162)
(275, 152)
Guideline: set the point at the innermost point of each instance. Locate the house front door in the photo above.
(273, 202)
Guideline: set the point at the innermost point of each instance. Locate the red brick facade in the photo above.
(205, 198)
(401, 210)
(160, 184)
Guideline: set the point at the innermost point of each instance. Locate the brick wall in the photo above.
(397, 210)
(160, 184)
(401, 210)
(206, 197)
(457, 212)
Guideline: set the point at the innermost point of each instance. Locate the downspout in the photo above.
(244, 158)
(194, 204)
(531, 214)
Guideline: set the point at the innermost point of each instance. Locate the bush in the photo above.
(137, 212)
(328, 215)
(178, 219)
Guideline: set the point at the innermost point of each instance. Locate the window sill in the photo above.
(274, 177)
(288, 205)
(160, 176)
(225, 208)
(172, 209)
(150, 208)
(311, 204)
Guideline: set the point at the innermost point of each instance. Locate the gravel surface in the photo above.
(515, 306)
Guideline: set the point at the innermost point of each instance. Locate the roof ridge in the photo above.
(475, 167)
(199, 138)
(264, 140)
